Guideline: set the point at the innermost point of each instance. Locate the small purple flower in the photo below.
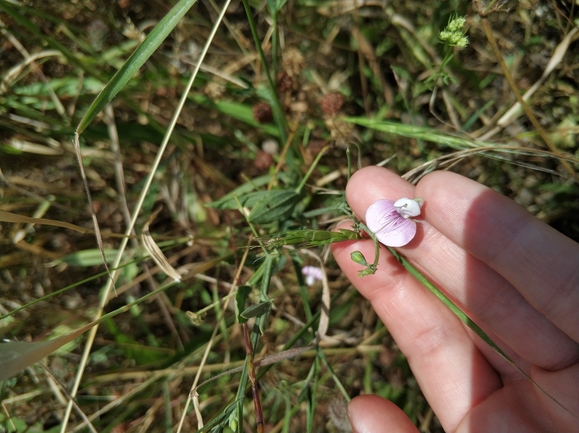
(391, 222)
(312, 274)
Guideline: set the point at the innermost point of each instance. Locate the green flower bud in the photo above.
(359, 258)
(445, 35)
(456, 24)
(453, 34)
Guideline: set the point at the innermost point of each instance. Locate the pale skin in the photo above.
(516, 277)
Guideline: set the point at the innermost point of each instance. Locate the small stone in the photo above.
(270, 146)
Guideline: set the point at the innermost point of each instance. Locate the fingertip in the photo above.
(373, 183)
(447, 190)
(373, 414)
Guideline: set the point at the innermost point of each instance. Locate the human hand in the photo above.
(514, 275)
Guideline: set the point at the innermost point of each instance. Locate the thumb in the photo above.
(373, 414)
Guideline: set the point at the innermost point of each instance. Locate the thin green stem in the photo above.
(311, 169)
(277, 108)
(337, 381)
(274, 46)
(303, 290)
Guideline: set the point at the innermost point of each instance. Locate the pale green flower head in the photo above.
(453, 34)
(456, 24)
(462, 42)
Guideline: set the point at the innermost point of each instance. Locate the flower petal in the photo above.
(408, 207)
(390, 228)
(312, 274)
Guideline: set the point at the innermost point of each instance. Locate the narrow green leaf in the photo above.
(235, 110)
(278, 113)
(240, 299)
(230, 200)
(256, 310)
(418, 132)
(249, 200)
(275, 205)
(92, 257)
(310, 238)
(137, 59)
(15, 356)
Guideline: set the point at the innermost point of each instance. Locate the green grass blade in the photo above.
(419, 133)
(137, 59)
(276, 106)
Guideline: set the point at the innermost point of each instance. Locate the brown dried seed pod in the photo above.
(293, 61)
(332, 103)
(262, 112)
(263, 160)
(284, 81)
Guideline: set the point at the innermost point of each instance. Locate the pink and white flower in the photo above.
(392, 222)
(312, 274)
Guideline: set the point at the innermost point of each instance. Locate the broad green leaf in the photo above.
(274, 206)
(137, 59)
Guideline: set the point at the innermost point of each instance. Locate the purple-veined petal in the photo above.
(312, 274)
(390, 227)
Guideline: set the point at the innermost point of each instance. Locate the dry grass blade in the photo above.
(211, 341)
(34, 148)
(29, 60)
(9, 217)
(59, 387)
(262, 362)
(97, 230)
(515, 90)
(515, 111)
(445, 162)
(155, 252)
